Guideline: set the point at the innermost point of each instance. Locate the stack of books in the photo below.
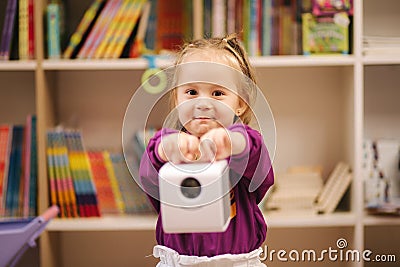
(302, 188)
(17, 36)
(379, 45)
(18, 169)
(86, 183)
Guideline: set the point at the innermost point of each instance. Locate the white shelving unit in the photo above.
(323, 108)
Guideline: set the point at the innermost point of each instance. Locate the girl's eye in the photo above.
(218, 93)
(191, 92)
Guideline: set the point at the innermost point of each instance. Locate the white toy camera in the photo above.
(195, 197)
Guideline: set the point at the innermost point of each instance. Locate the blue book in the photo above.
(14, 174)
(53, 31)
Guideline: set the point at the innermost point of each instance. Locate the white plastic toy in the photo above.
(195, 197)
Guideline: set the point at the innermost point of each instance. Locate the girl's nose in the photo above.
(203, 104)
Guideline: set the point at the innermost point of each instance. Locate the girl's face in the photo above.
(202, 107)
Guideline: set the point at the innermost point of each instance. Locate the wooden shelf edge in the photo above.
(141, 64)
(302, 219)
(106, 223)
(381, 60)
(18, 65)
(375, 220)
(148, 222)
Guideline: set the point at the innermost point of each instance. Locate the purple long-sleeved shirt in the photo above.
(247, 229)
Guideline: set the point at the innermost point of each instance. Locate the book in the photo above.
(14, 173)
(150, 35)
(33, 185)
(84, 27)
(170, 25)
(323, 35)
(23, 40)
(114, 182)
(334, 188)
(31, 30)
(124, 30)
(86, 192)
(5, 148)
(111, 30)
(218, 18)
(53, 13)
(105, 194)
(8, 29)
(135, 200)
(136, 44)
(96, 34)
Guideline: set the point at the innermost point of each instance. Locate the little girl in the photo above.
(203, 110)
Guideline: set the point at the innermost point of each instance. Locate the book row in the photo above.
(130, 28)
(17, 35)
(18, 169)
(86, 183)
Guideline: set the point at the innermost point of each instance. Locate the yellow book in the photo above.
(23, 38)
(120, 38)
(114, 182)
(100, 51)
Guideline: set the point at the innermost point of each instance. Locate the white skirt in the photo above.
(170, 258)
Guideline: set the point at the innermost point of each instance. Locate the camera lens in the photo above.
(190, 187)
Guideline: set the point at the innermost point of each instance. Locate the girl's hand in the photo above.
(220, 143)
(179, 147)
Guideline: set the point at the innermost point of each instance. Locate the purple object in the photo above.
(16, 236)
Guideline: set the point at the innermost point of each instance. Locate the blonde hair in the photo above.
(236, 56)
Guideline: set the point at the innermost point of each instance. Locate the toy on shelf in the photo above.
(17, 235)
(154, 80)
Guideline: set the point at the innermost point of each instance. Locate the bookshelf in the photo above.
(324, 106)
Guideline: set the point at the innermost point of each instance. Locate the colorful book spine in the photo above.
(150, 36)
(52, 174)
(33, 168)
(31, 30)
(218, 18)
(61, 196)
(66, 175)
(53, 31)
(8, 29)
(114, 182)
(170, 24)
(135, 199)
(5, 141)
(267, 27)
(14, 174)
(84, 27)
(111, 30)
(101, 180)
(99, 29)
(131, 18)
(23, 16)
(82, 176)
(27, 167)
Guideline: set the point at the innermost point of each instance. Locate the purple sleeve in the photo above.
(150, 164)
(254, 162)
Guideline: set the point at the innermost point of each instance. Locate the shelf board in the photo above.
(301, 219)
(102, 64)
(18, 65)
(106, 223)
(371, 220)
(382, 60)
(303, 61)
(148, 222)
(140, 63)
